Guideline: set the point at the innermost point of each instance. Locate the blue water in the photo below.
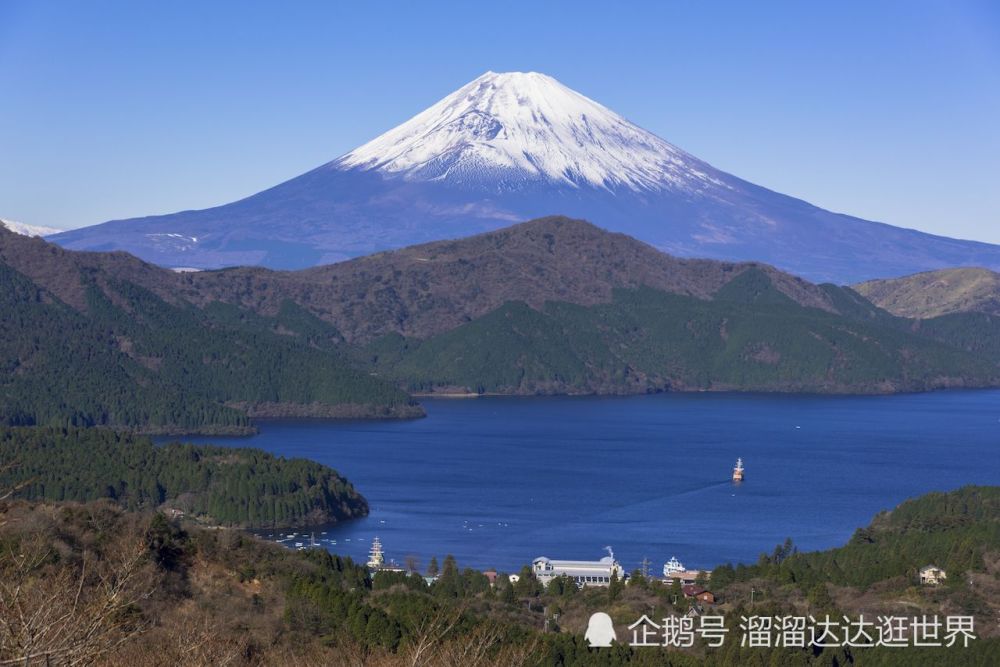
(499, 481)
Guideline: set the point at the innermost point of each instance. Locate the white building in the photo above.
(583, 572)
(932, 575)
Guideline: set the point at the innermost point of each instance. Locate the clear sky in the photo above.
(885, 110)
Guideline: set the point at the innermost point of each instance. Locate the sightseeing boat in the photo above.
(738, 471)
(376, 560)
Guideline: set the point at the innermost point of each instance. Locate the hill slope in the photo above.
(935, 293)
(750, 338)
(432, 288)
(515, 146)
(98, 349)
(197, 596)
(222, 486)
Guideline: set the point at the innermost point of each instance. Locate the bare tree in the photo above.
(69, 614)
(486, 646)
(428, 636)
(11, 489)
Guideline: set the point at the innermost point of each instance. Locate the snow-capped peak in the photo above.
(514, 127)
(28, 230)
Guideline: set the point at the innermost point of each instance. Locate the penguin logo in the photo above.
(600, 631)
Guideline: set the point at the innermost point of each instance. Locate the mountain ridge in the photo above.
(427, 288)
(549, 306)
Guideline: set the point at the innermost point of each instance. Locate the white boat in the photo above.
(376, 559)
(673, 565)
(738, 471)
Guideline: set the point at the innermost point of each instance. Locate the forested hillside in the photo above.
(549, 306)
(428, 289)
(126, 357)
(957, 531)
(749, 337)
(225, 486)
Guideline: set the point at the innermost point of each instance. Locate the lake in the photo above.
(498, 481)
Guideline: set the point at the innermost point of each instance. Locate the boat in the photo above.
(376, 559)
(673, 565)
(738, 471)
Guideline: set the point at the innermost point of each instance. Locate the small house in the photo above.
(932, 575)
(698, 593)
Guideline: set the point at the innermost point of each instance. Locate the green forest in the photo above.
(218, 485)
(134, 360)
(750, 337)
(123, 356)
(955, 531)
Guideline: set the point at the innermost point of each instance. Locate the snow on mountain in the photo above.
(504, 128)
(28, 230)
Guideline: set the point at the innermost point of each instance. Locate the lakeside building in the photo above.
(673, 570)
(583, 572)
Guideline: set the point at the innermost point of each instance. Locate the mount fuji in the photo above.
(514, 146)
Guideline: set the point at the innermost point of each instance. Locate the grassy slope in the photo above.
(936, 293)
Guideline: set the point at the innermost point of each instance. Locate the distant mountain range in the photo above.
(550, 306)
(510, 147)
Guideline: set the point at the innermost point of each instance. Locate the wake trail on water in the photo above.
(632, 511)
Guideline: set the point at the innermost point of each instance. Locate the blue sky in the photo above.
(885, 110)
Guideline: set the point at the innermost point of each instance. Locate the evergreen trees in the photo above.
(749, 338)
(951, 530)
(242, 487)
(132, 359)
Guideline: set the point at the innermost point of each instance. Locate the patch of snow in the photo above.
(173, 241)
(515, 127)
(28, 230)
